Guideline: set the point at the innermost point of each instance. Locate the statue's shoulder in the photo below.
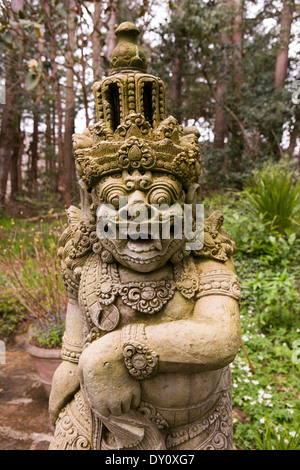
(213, 265)
(217, 244)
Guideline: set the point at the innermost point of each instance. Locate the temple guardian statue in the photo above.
(152, 325)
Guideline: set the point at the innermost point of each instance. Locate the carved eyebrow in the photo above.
(167, 186)
(108, 186)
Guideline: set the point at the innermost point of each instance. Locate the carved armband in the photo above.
(71, 350)
(140, 360)
(219, 282)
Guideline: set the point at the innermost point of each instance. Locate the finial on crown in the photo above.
(128, 55)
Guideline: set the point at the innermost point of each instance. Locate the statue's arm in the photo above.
(66, 380)
(210, 338)
(208, 341)
(112, 367)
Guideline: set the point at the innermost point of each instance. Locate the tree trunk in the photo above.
(15, 169)
(284, 40)
(96, 41)
(177, 85)
(220, 126)
(69, 168)
(34, 151)
(111, 22)
(59, 111)
(237, 45)
(294, 134)
(9, 135)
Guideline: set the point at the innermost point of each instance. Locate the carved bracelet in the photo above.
(219, 282)
(140, 360)
(71, 350)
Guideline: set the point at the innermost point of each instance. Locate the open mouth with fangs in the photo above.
(143, 244)
(143, 254)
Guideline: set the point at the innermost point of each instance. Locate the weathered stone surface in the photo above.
(152, 324)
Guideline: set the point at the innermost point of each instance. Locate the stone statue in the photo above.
(152, 325)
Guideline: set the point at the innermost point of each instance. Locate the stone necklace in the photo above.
(146, 297)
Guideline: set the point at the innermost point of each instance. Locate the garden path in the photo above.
(24, 418)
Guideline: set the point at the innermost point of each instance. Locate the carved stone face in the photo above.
(146, 209)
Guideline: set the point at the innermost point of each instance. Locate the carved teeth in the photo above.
(143, 246)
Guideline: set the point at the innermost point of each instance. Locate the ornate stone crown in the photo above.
(133, 131)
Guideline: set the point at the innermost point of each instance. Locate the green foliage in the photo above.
(266, 408)
(48, 331)
(272, 391)
(267, 263)
(274, 193)
(30, 280)
(12, 314)
(255, 112)
(280, 438)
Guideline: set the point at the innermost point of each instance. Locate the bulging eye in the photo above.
(113, 197)
(160, 196)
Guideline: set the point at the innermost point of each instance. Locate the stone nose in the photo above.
(137, 197)
(136, 207)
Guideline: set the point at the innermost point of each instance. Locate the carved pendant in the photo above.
(147, 297)
(106, 290)
(109, 318)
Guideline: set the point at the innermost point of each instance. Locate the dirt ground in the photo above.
(24, 418)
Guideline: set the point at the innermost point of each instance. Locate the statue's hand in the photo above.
(105, 379)
(119, 392)
(65, 382)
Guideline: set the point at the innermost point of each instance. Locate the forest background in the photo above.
(231, 67)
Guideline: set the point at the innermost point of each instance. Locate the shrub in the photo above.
(274, 193)
(31, 279)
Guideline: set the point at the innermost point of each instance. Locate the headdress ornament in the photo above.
(133, 131)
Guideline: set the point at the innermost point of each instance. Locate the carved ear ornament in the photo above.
(217, 243)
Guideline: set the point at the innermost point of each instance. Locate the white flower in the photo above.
(247, 398)
(255, 382)
(245, 338)
(262, 420)
(292, 433)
